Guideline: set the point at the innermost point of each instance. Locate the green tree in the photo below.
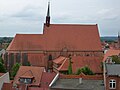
(15, 69)
(70, 66)
(2, 68)
(86, 70)
(1, 60)
(28, 64)
(78, 71)
(116, 59)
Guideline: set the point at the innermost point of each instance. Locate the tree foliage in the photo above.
(1, 60)
(15, 69)
(2, 68)
(116, 59)
(86, 70)
(28, 64)
(78, 71)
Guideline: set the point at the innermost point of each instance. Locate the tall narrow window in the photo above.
(25, 59)
(11, 60)
(50, 57)
(18, 57)
(112, 84)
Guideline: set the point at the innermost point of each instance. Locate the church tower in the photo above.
(48, 16)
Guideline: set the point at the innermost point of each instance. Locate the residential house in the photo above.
(112, 76)
(30, 78)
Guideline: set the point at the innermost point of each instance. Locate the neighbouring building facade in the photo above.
(112, 76)
(4, 78)
(56, 40)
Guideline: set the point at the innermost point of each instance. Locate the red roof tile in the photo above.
(27, 42)
(72, 36)
(47, 79)
(111, 52)
(58, 36)
(36, 71)
(59, 60)
(94, 63)
(37, 88)
(8, 86)
(87, 77)
(27, 74)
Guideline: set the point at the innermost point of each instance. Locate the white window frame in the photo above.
(112, 81)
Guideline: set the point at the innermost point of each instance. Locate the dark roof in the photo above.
(113, 69)
(57, 36)
(73, 84)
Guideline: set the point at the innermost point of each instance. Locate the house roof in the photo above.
(47, 79)
(59, 60)
(27, 42)
(73, 84)
(27, 74)
(58, 36)
(72, 36)
(113, 69)
(7, 86)
(111, 52)
(94, 63)
(36, 73)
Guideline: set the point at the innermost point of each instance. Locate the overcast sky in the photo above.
(28, 16)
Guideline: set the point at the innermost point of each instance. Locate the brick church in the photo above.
(56, 40)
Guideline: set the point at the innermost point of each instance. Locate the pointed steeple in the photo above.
(48, 16)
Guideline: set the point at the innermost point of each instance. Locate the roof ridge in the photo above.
(72, 24)
(26, 72)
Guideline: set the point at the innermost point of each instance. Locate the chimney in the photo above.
(80, 80)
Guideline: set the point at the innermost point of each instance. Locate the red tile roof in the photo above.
(37, 88)
(72, 36)
(58, 36)
(94, 63)
(8, 86)
(27, 74)
(36, 71)
(59, 60)
(87, 77)
(47, 79)
(111, 52)
(27, 42)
